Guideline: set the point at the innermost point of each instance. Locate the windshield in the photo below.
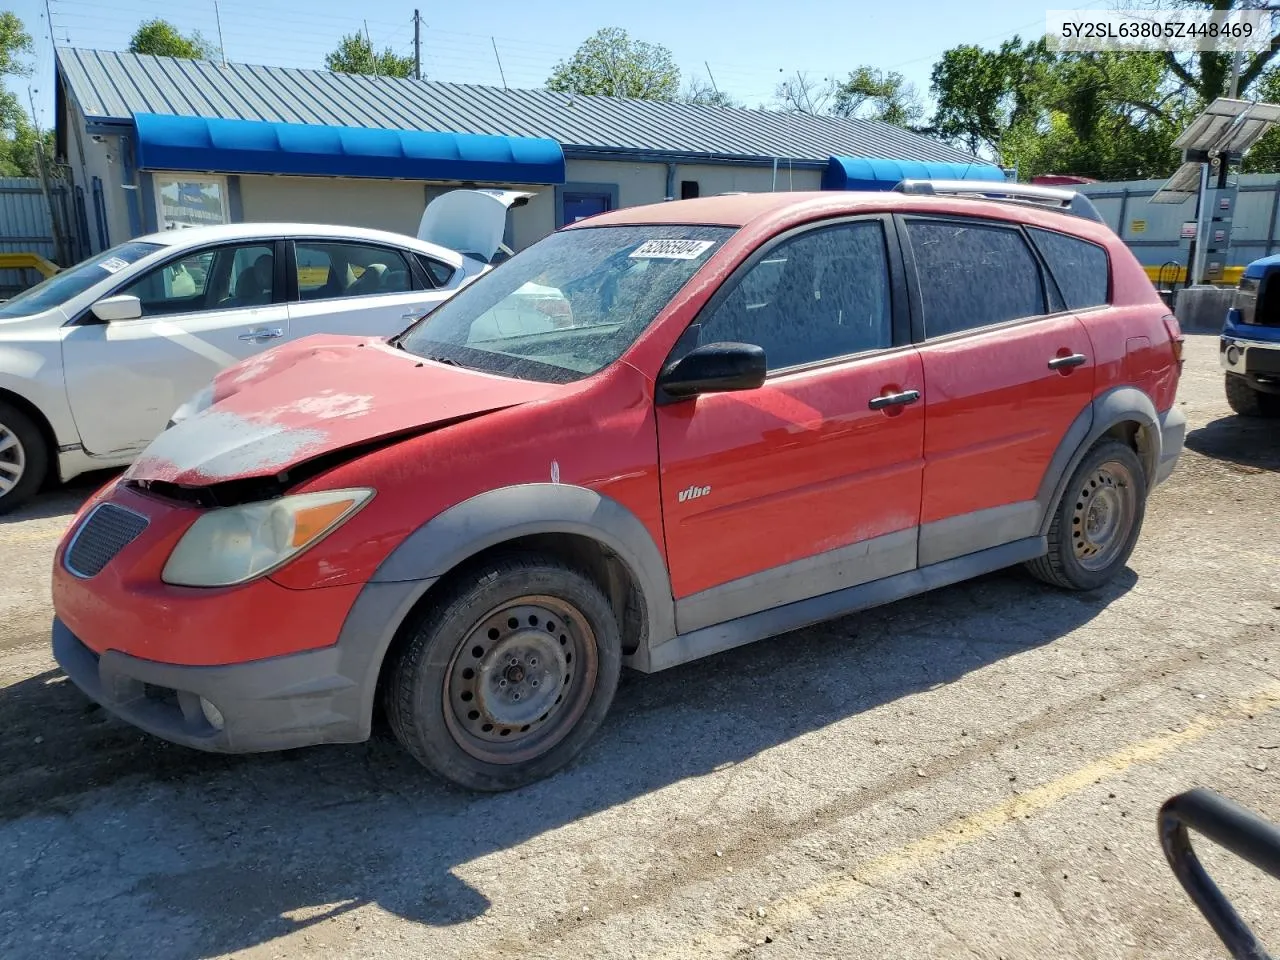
(569, 305)
(73, 281)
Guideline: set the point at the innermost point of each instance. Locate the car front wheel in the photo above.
(1097, 520)
(24, 457)
(505, 678)
(1248, 402)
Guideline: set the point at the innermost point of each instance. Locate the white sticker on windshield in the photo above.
(673, 249)
(113, 264)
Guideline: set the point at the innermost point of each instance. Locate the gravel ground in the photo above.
(975, 772)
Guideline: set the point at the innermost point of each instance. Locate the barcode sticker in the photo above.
(113, 264)
(673, 249)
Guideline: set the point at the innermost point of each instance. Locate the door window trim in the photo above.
(1048, 269)
(900, 334)
(1048, 286)
(86, 317)
(295, 294)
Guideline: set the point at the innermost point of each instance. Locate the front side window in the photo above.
(973, 275)
(567, 306)
(223, 278)
(74, 281)
(328, 270)
(814, 297)
(1080, 268)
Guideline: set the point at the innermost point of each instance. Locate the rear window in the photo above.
(1080, 268)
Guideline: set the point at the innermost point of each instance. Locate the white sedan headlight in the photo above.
(234, 544)
(198, 403)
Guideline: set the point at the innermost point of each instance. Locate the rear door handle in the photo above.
(893, 399)
(262, 333)
(1057, 363)
(415, 312)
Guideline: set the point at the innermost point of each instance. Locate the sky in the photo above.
(746, 46)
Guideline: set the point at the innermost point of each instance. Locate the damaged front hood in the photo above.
(319, 395)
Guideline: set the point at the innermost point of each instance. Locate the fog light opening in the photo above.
(1233, 354)
(212, 714)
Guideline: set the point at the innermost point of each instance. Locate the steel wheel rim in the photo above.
(13, 460)
(1106, 503)
(520, 680)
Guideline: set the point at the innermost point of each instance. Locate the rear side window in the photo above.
(439, 273)
(1080, 268)
(973, 275)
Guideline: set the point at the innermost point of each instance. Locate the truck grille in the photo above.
(105, 532)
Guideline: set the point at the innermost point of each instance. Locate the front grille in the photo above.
(105, 532)
(1263, 361)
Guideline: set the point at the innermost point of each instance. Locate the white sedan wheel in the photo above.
(13, 459)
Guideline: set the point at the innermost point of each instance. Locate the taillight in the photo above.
(1175, 335)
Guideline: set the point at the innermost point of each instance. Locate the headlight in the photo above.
(196, 404)
(234, 544)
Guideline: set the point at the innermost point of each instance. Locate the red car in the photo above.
(756, 412)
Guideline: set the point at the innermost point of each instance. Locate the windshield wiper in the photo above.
(445, 360)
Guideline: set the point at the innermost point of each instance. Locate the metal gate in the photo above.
(28, 226)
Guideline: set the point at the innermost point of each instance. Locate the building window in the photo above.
(190, 202)
(688, 189)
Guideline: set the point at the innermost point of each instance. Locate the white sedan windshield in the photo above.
(61, 287)
(569, 305)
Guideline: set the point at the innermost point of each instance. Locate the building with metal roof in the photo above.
(144, 135)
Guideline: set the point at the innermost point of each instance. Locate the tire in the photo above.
(523, 644)
(1248, 402)
(24, 458)
(1097, 521)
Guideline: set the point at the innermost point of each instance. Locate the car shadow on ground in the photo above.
(1250, 442)
(223, 853)
(59, 499)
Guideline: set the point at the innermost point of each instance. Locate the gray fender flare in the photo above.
(1102, 413)
(484, 521)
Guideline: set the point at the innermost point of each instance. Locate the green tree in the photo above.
(160, 38)
(1207, 73)
(355, 55)
(984, 95)
(17, 134)
(872, 94)
(609, 63)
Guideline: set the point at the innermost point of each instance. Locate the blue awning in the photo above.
(874, 173)
(251, 146)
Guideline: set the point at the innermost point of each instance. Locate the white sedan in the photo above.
(95, 360)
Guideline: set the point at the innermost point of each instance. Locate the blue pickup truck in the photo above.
(1250, 346)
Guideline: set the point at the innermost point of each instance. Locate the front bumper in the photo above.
(1252, 354)
(290, 701)
(1173, 433)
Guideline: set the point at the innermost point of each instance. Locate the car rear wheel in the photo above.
(24, 458)
(1097, 521)
(1248, 402)
(506, 678)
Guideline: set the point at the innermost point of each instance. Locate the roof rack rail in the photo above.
(1068, 201)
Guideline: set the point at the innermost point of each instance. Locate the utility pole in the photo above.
(61, 254)
(502, 73)
(373, 54)
(222, 47)
(417, 45)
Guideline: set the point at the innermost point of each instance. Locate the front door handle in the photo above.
(262, 333)
(893, 399)
(1058, 363)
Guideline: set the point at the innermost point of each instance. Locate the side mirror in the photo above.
(122, 307)
(715, 368)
